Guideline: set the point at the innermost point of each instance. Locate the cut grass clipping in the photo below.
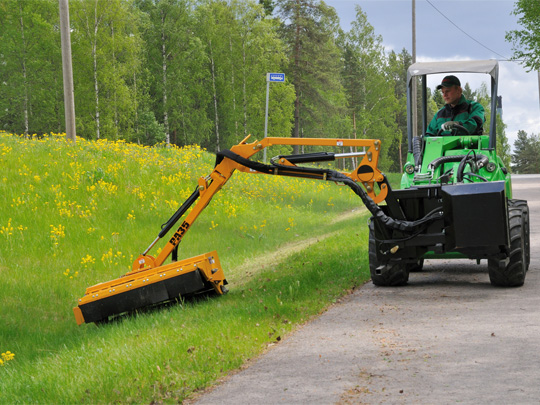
(73, 215)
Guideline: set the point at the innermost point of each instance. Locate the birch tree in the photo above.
(105, 47)
(369, 88)
(30, 79)
(176, 75)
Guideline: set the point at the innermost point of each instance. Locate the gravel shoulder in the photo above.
(447, 337)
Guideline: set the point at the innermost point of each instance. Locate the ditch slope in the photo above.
(449, 336)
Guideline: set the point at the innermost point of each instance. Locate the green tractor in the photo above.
(460, 183)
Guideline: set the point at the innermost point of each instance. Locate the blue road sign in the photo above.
(275, 77)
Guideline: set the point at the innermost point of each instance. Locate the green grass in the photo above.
(75, 215)
(394, 179)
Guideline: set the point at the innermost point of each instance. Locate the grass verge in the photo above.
(74, 215)
(168, 354)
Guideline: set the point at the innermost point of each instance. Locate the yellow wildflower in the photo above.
(5, 357)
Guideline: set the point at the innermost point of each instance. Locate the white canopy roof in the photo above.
(490, 66)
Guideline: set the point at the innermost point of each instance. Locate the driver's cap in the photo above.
(449, 81)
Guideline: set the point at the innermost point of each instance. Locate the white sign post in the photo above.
(276, 78)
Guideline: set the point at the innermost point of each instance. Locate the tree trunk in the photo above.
(115, 98)
(400, 159)
(297, 86)
(244, 92)
(354, 159)
(184, 129)
(216, 119)
(296, 133)
(164, 79)
(94, 55)
(233, 92)
(25, 80)
(136, 97)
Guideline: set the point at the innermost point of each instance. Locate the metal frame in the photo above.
(422, 69)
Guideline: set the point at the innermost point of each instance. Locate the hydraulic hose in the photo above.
(418, 145)
(453, 159)
(332, 175)
(166, 227)
(474, 161)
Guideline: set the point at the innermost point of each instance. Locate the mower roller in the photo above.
(455, 202)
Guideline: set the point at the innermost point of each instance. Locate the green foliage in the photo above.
(268, 6)
(397, 71)
(309, 30)
(150, 131)
(439, 101)
(106, 59)
(31, 73)
(526, 156)
(369, 89)
(467, 91)
(193, 72)
(503, 148)
(526, 41)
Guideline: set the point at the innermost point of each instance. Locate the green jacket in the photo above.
(469, 114)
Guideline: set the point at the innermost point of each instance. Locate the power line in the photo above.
(474, 39)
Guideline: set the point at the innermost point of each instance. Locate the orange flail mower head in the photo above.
(150, 286)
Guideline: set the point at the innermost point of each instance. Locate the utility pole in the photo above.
(67, 69)
(270, 77)
(539, 85)
(413, 90)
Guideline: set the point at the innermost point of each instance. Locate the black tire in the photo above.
(511, 271)
(414, 267)
(525, 208)
(384, 275)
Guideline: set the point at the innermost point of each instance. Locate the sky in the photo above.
(457, 30)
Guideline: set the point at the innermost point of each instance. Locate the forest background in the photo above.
(194, 72)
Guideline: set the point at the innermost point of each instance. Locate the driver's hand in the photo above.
(448, 125)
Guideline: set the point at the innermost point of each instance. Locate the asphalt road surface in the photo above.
(448, 337)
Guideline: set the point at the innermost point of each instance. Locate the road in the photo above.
(448, 337)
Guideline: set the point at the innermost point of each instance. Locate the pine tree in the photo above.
(526, 156)
(309, 29)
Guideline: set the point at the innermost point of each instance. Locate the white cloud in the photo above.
(521, 108)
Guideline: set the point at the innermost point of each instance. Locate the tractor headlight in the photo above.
(490, 167)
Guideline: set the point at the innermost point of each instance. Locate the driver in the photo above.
(457, 111)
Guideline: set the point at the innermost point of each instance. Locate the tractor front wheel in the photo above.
(510, 272)
(384, 275)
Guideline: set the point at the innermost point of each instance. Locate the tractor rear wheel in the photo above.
(510, 272)
(384, 275)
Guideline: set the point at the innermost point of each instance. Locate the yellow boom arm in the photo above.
(151, 282)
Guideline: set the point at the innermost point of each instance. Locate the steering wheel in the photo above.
(456, 126)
